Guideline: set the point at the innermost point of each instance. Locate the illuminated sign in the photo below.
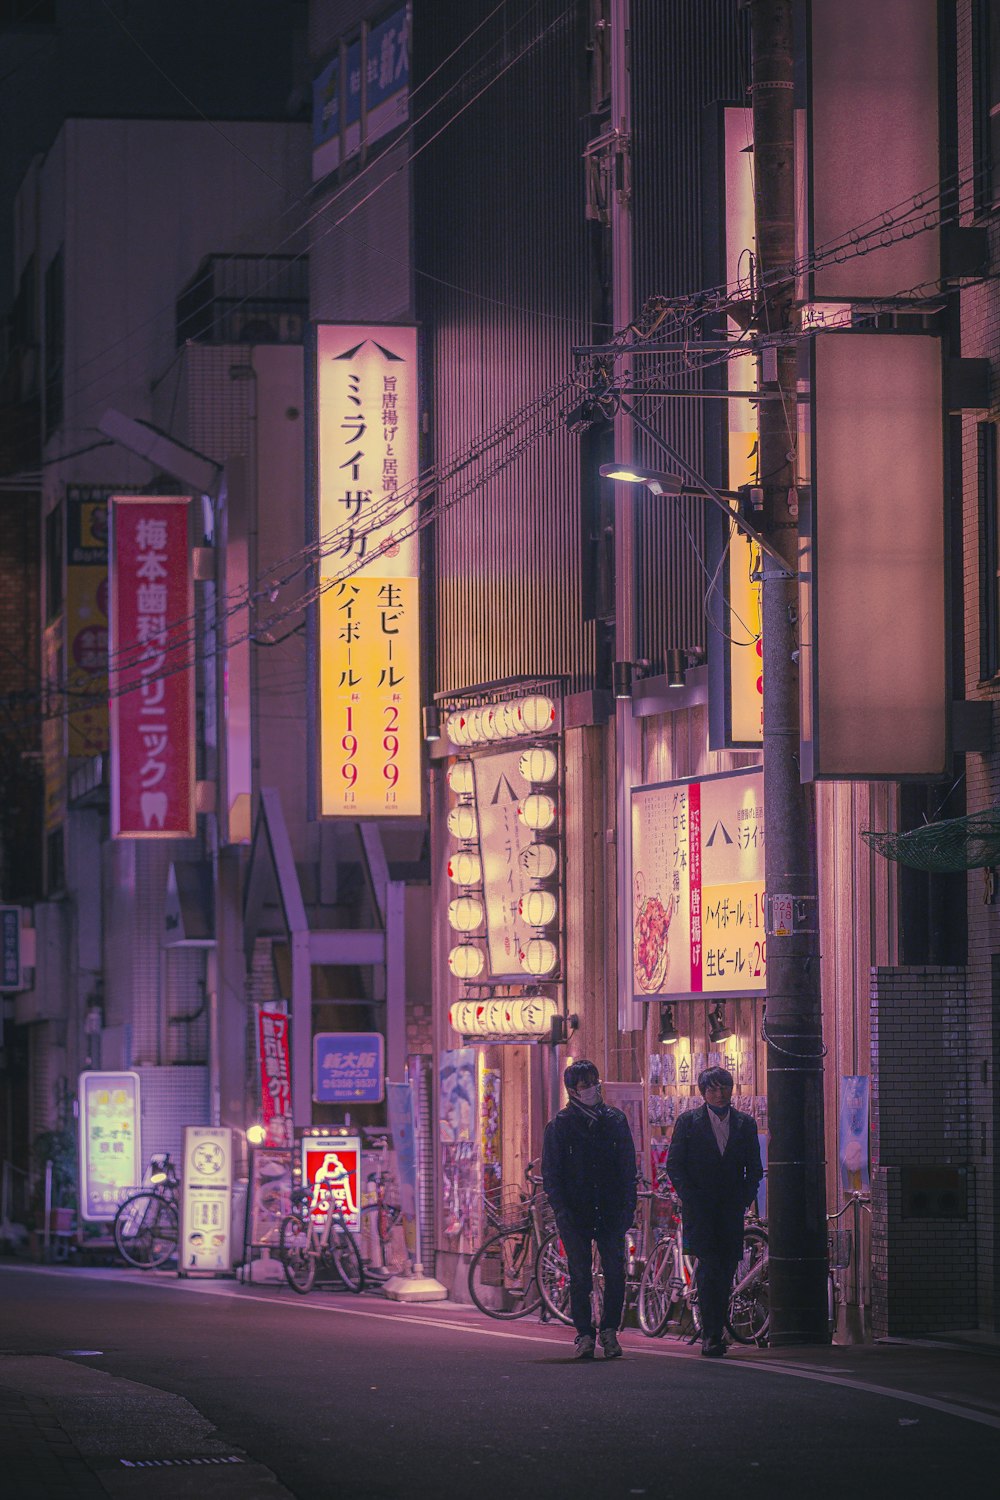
(152, 671)
(206, 1206)
(110, 1163)
(348, 1067)
(504, 836)
(698, 887)
(275, 1078)
(333, 1162)
(369, 606)
(742, 636)
(87, 623)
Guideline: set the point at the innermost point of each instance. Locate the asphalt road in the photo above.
(350, 1397)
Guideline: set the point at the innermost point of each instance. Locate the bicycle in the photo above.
(316, 1232)
(146, 1222)
(552, 1267)
(502, 1276)
(669, 1282)
(381, 1233)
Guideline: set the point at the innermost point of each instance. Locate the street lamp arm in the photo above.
(701, 486)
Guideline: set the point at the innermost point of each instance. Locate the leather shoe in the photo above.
(712, 1349)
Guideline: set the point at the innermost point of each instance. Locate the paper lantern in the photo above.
(460, 778)
(537, 811)
(537, 908)
(457, 728)
(538, 765)
(537, 713)
(539, 860)
(464, 868)
(462, 1015)
(465, 913)
(466, 961)
(462, 823)
(490, 723)
(539, 956)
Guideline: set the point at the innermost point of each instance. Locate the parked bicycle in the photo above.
(668, 1292)
(552, 1271)
(502, 1278)
(146, 1222)
(314, 1236)
(380, 1238)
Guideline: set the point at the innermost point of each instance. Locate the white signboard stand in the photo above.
(206, 1246)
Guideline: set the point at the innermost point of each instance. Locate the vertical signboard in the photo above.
(333, 1163)
(152, 669)
(698, 887)
(348, 1067)
(503, 838)
(369, 607)
(110, 1161)
(402, 1117)
(54, 728)
(206, 1203)
(87, 623)
(275, 1077)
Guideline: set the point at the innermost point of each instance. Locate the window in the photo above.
(989, 553)
(986, 102)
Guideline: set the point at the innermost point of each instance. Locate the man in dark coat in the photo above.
(714, 1165)
(589, 1173)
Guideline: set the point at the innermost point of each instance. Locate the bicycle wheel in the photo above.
(381, 1242)
(749, 1303)
(298, 1257)
(552, 1274)
(502, 1280)
(146, 1230)
(346, 1257)
(655, 1291)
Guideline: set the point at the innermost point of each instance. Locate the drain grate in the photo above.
(179, 1463)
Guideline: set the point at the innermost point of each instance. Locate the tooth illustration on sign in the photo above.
(154, 809)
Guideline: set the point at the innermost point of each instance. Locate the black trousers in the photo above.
(713, 1276)
(611, 1249)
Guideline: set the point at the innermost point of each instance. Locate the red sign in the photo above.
(333, 1164)
(275, 1079)
(152, 669)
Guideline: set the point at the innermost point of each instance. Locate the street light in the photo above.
(670, 484)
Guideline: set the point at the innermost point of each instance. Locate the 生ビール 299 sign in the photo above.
(369, 607)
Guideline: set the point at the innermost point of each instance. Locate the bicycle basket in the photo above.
(504, 1208)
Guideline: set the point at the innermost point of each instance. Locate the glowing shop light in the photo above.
(462, 823)
(460, 778)
(465, 913)
(466, 961)
(539, 861)
(537, 811)
(538, 765)
(465, 868)
(539, 956)
(537, 908)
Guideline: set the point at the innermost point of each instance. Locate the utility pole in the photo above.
(793, 1021)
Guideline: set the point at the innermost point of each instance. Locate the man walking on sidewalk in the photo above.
(714, 1165)
(589, 1173)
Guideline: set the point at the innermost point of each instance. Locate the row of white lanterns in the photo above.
(501, 721)
(538, 909)
(530, 1017)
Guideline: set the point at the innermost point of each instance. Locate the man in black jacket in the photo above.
(589, 1173)
(714, 1165)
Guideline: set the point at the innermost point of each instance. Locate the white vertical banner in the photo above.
(206, 1204)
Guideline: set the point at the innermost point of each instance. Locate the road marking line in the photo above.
(764, 1367)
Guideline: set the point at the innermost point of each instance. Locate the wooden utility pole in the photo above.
(793, 1021)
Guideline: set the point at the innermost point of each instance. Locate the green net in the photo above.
(971, 843)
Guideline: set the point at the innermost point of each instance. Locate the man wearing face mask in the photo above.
(589, 1173)
(714, 1165)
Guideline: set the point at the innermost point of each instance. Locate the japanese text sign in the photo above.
(698, 887)
(348, 1067)
(503, 839)
(152, 669)
(206, 1206)
(333, 1164)
(86, 611)
(275, 1078)
(109, 1141)
(369, 606)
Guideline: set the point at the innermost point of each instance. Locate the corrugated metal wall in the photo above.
(686, 56)
(502, 285)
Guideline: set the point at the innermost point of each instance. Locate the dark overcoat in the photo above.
(715, 1189)
(588, 1170)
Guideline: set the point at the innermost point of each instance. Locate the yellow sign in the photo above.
(370, 695)
(369, 612)
(746, 682)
